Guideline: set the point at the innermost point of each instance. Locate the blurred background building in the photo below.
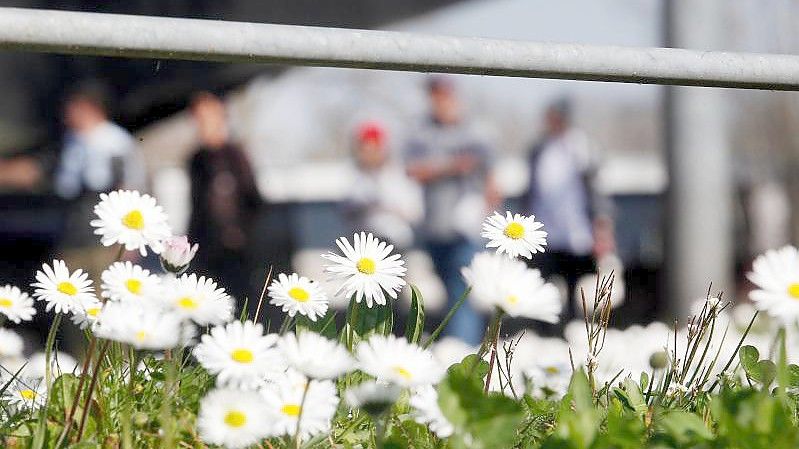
(297, 125)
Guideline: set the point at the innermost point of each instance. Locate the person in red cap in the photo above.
(382, 200)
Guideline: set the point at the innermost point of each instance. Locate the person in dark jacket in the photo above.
(224, 198)
(563, 195)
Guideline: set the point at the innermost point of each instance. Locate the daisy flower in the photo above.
(232, 418)
(124, 281)
(141, 327)
(198, 299)
(776, 274)
(315, 356)
(369, 270)
(15, 304)
(294, 398)
(11, 344)
(26, 394)
(507, 284)
(239, 354)
(393, 359)
(514, 234)
(85, 314)
(297, 294)
(424, 401)
(60, 289)
(372, 396)
(131, 219)
(60, 363)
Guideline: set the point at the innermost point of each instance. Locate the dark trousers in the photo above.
(448, 258)
(571, 268)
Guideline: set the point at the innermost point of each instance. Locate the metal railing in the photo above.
(211, 40)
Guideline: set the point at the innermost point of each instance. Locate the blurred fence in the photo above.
(211, 40)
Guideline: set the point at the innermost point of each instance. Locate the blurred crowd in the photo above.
(430, 190)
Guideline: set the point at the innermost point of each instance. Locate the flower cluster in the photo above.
(295, 384)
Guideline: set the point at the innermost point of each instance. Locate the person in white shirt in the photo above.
(383, 199)
(563, 196)
(98, 156)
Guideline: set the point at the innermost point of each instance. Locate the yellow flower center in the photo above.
(141, 336)
(133, 220)
(94, 311)
(366, 265)
(133, 286)
(235, 418)
(27, 394)
(512, 299)
(793, 290)
(291, 410)
(514, 230)
(242, 355)
(187, 302)
(299, 294)
(5, 302)
(67, 288)
(551, 370)
(403, 372)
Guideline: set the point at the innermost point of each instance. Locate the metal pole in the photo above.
(210, 40)
(699, 223)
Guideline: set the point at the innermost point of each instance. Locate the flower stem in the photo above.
(81, 381)
(92, 385)
(127, 413)
(297, 441)
(490, 342)
(48, 350)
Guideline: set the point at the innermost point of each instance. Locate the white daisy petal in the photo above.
(776, 274)
(26, 393)
(498, 281)
(424, 401)
(515, 235)
(124, 281)
(197, 298)
(367, 270)
(240, 355)
(285, 405)
(297, 294)
(393, 359)
(11, 344)
(128, 218)
(141, 327)
(315, 356)
(61, 290)
(15, 304)
(232, 418)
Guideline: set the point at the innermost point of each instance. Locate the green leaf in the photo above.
(684, 427)
(749, 356)
(363, 321)
(578, 419)
(764, 372)
(415, 325)
(325, 325)
(793, 375)
(471, 366)
(481, 421)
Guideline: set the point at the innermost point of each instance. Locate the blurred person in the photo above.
(453, 165)
(20, 173)
(224, 198)
(562, 195)
(98, 156)
(382, 200)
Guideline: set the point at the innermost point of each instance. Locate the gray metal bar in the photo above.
(210, 40)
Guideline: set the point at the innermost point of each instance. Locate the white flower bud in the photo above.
(177, 254)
